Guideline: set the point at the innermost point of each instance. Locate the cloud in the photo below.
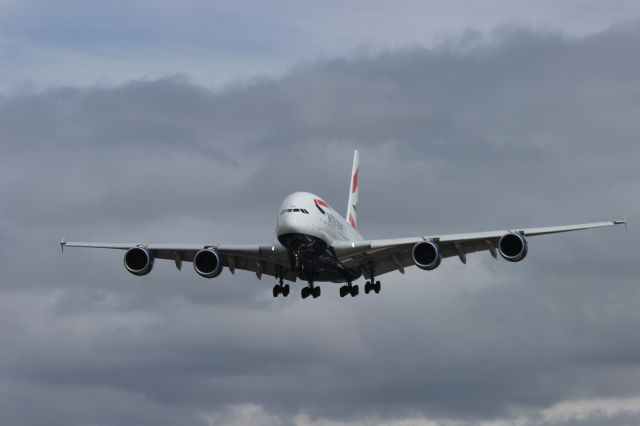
(537, 129)
(78, 43)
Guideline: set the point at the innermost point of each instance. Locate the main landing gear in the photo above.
(353, 290)
(348, 288)
(281, 288)
(310, 290)
(372, 286)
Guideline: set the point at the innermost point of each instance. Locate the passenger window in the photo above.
(296, 210)
(289, 210)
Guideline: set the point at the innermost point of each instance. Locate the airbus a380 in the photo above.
(316, 244)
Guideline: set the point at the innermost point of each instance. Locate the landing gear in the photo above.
(344, 290)
(280, 289)
(372, 286)
(348, 288)
(310, 290)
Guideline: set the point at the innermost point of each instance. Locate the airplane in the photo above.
(316, 244)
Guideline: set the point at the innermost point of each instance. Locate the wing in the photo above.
(396, 254)
(271, 260)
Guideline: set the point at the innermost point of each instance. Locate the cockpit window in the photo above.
(294, 211)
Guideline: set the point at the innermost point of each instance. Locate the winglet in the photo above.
(622, 222)
(63, 243)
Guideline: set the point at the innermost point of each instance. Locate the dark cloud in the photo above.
(534, 130)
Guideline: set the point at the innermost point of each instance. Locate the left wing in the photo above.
(270, 260)
(395, 254)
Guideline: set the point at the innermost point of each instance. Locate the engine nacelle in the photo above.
(208, 263)
(513, 247)
(426, 255)
(138, 261)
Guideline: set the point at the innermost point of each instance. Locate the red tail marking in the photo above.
(351, 221)
(355, 180)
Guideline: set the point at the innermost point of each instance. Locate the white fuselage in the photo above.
(307, 214)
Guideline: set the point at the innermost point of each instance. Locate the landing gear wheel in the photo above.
(354, 290)
(276, 290)
(372, 284)
(315, 292)
(344, 290)
(305, 292)
(285, 290)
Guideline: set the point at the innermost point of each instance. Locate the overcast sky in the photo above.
(190, 122)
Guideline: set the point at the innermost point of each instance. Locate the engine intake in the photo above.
(208, 263)
(426, 255)
(513, 247)
(138, 261)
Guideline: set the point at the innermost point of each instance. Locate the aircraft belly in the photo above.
(328, 273)
(315, 260)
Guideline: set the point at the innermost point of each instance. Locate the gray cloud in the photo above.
(536, 129)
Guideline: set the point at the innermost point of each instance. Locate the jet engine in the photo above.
(426, 255)
(138, 261)
(513, 247)
(208, 263)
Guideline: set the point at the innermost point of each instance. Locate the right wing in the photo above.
(270, 260)
(396, 254)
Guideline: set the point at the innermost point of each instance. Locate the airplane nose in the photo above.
(288, 223)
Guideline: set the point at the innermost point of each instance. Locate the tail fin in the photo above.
(352, 217)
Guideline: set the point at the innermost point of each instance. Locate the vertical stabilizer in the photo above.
(352, 217)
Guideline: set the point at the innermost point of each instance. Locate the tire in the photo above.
(368, 287)
(355, 290)
(276, 290)
(316, 292)
(285, 290)
(344, 290)
(377, 287)
(305, 292)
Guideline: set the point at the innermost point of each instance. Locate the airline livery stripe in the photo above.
(319, 203)
(351, 221)
(355, 181)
